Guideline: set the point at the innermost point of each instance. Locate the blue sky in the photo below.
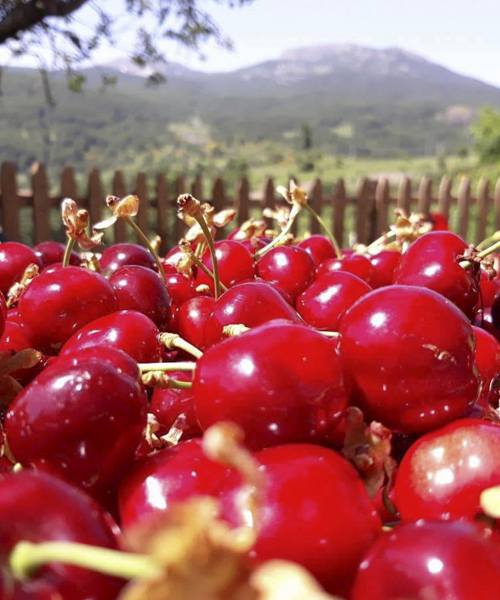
(459, 34)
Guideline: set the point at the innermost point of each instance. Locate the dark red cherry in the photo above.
(384, 264)
(444, 472)
(488, 288)
(280, 382)
(254, 244)
(432, 261)
(409, 371)
(484, 320)
(234, 260)
(482, 409)
(14, 258)
(83, 423)
(59, 302)
(3, 313)
(127, 330)
(192, 317)
(357, 264)
(14, 340)
(124, 255)
(325, 301)
(428, 560)
(314, 495)
(13, 315)
(319, 248)
(38, 508)
(50, 253)
(118, 359)
(180, 288)
(290, 267)
(141, 289)
(488, 363)
(249, 304)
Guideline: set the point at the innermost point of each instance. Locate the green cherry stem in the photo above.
(173, 341)
(465, 263)
(215, 265)
(168, 366)
(148, 245)
(284, 232)
(70, 244)
(329, 234)
(208, 272)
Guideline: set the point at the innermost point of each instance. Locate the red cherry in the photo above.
(325, 301)
(235, 263)
(38, 508)
(254, 244)
(488, 363)
(357, 264)
(319, 248)
(482, 409)
(489, 288)
(384, 264)
(439, 222)
(290, 267)
(50, 253)
(126, 330)
(432, 261)
(141, 289)
(192, 317)
(430, 560)
(83, 422)
(249, 304)
(123, 255)
(280, 382)
(484, 320)
(3, 313)
(444, 472)
(59, 302)
(14, 258)
(120, 361)
(13, 316)
(180, 288)
(13, 340)
(409, 371)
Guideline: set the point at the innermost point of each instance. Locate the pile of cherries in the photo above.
(366, 385)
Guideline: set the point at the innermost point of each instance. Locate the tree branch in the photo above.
(26, 15)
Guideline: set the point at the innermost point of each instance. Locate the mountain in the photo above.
(355, 99)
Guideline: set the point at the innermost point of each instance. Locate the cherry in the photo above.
(235, 263)
(409, 371)
(357, 264)
(254, 244)
(427, 560)
(82, 422)
(192, 317)
(280, 382)
(384, 264)
(122, 255)
(484, 320)
(118, 359)
(36, 507)
(59, 302)
(50, 253)
(285, 295)
(13, 315)
(325, 301)
(14, 258)
(180, 288)
(126, 330)
(432, 261)
(489, 288)
(141, 289)
(14, 340)
(249, 304)
(482, 409)
(495, 311)
(290, 267)
(3, 313)
(319, 248)
(488, 363)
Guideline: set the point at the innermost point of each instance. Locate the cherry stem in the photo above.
(329, 234)
(331, 334)
(208, 236)
(169, 366)
(148, 245)
(466, 263)
(208, 272)
(180, 385)
(27, 557)
(390, 234)
(284, 232)
(492, 238)
(173, 341)
(70, 244)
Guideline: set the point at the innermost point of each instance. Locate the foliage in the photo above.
(486, 131)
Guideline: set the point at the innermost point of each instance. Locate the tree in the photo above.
(486, 130)
(30, 27)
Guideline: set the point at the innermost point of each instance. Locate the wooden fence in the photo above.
(366, 214)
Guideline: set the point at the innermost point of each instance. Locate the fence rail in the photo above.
(367, 213)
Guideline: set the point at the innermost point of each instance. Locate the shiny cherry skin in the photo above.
(59, 302)
(82, 422)
(323, 304)
(280, 382)
(488, 363)
(489, 288)
(235, 263)
(51, 252)
(495, 311)
(432, 261)
(408, 370)
(119, 360)
(384, 264)
(292, 268)
(157, 481)
(14, 258)
(449, 561)
(39, 508)
(311, 495)
(124, 255)
(127, 330)
(484, 320)
(180, 288)
(193, 315)
(444, 472)
(141, 289)
(357, 264)
(319, 248)
(249, 304)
